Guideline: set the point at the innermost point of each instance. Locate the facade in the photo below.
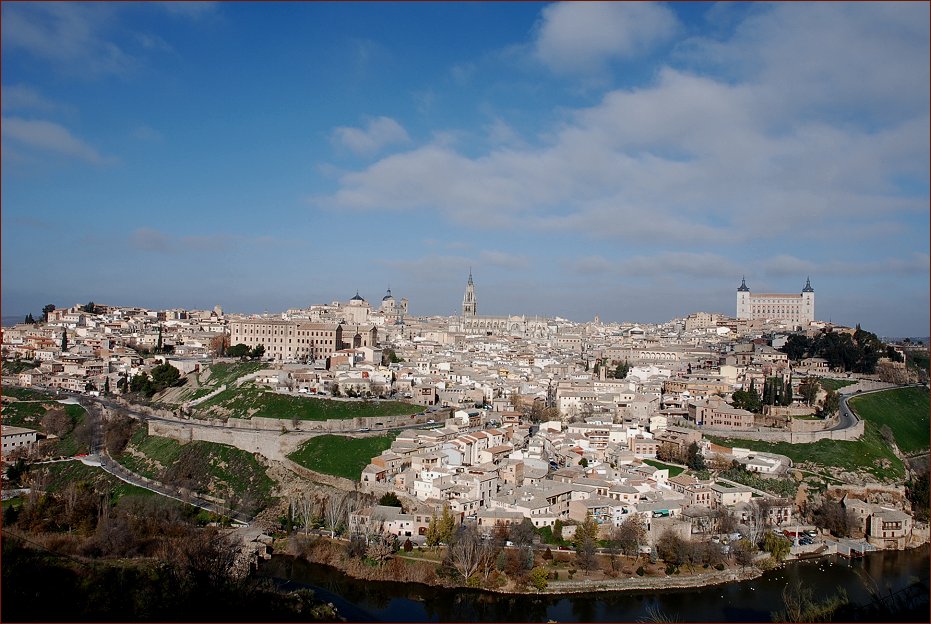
(795, 309)
(300, 340)
(15, 438)
(517, 325)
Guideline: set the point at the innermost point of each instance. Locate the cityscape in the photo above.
(465, 312)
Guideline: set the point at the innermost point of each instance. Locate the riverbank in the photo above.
(327, 552)
(885, 586)
(635, 583)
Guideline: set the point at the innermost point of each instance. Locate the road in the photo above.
(847, 418)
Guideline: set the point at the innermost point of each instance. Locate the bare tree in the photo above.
(631, 534)
(306, 506)
(465, 552)
(336, 511)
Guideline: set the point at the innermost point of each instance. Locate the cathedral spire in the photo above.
(808, 287)
(743, 285)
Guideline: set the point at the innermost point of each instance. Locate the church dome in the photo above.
(357, 297)
(388, 296)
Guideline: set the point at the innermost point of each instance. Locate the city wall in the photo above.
(794, 437)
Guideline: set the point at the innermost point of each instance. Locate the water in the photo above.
(748, 601)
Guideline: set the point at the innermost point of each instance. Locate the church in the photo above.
(470, 322)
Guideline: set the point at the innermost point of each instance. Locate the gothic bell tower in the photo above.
(469, 305)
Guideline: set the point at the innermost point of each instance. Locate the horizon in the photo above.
(627, 160)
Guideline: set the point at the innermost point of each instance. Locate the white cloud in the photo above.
(23, 97)
(188, 9)
(378, 133)
(46, 136)
(583, 36)
(689, 158)
(143, 132)
(502, 259)
(68, 35)
(149, 239)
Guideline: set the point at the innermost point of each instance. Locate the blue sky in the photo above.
(627, 160)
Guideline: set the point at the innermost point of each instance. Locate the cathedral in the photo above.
(469, 322)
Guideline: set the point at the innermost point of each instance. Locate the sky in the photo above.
(633, 161)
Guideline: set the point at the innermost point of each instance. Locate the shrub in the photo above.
(719, 567)
(641, 571)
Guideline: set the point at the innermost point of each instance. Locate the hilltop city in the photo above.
(709, 439)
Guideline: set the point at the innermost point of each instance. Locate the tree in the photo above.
(523, 533)
(539, 578)
(744, 552)
(830, 404)
(164, 376)
(800, 605)
(257, 352)
(776, 545)
(748, 400)
(832, 515)
(29, 320)
(631, 534)
(694, 459)
(809, 390)
(90, 308)
(726, 521)
(390, 499)
(585, 542)
(620, 372)
(64, 340)
(238, 350)
(335, 512)
(465, 551)
(583, 463)
(671, 548)
(158, 345)
(46, 310)
(106, 386)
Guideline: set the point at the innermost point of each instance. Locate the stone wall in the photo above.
(795, 437)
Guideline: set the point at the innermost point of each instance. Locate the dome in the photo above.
(357, 297)
(388, 296)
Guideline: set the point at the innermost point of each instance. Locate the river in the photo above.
(747, 601)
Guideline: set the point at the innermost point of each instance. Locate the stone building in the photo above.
(795, 309)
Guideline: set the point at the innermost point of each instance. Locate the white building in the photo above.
(795, 309)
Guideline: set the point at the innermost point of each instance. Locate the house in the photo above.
(15, 438)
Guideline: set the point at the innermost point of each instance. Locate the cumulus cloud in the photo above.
(379, 132)
(693, 157)
(583, 36)
(46, 136)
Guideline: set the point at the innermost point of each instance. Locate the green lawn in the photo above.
(904, 410)
(223, 373)
(673, 470)
(864, 454)
(340, 455)
(26, 394)
(250, 400)
(30, 415)
(61, 474)
(205, 467)
(13, 367)
(835, 384)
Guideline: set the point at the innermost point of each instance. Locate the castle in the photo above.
(795, 309)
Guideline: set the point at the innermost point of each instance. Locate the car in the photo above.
(431, 421)
(364, 429)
